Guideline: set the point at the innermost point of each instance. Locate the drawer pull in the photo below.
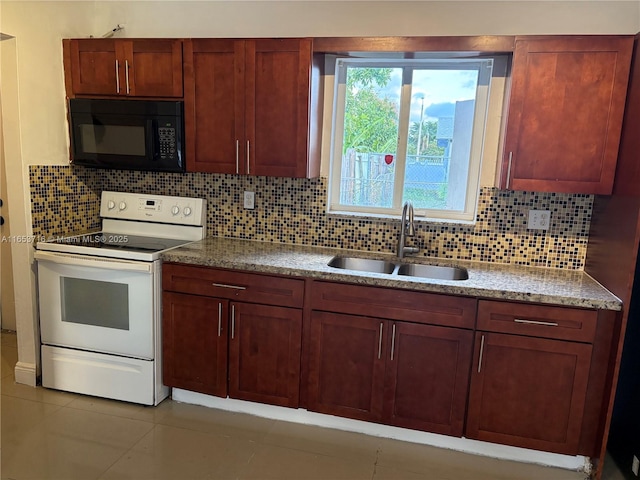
(223, 285)
(380, 343)
(219, 319)
(481, 353)
(536, 322)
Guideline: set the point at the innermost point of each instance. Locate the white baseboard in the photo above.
(504, 452)
(26, 373)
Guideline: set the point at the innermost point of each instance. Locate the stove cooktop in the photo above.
(115, 245)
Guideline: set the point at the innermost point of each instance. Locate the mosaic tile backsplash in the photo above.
(294, 211)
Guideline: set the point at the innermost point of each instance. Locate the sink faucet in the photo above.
(407, 229)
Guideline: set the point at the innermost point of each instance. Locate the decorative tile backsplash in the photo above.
(294, 211)
(64, 199)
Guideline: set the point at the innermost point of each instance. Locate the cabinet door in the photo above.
(528, 392)
(214, 105)
(346, 365)
(194, 343)
(153, 68)
(140, 68)
(278, 86)
(264, 354)
(565, 114)
(427, 377)
(95, 68)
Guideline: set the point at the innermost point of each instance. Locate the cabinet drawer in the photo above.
(394, 304)
(537, 320)
(234, 285)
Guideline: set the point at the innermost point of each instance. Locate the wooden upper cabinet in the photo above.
(248, 106)
(128, 68)
(565, 113)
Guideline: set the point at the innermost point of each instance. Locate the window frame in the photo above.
(485, 67)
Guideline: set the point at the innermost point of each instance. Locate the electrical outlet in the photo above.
(635, 466)
(539, 220)
(250, 200)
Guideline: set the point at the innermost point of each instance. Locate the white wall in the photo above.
(38, 132)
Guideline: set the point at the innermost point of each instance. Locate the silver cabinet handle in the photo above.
(117, 77)
(237, 156)
(233, 321)
(219, 319)
(481, 353)
(224, 285)
(393, 339)
(248, 165)
(380, 343)
(509, 170)
(536, 322)
(126, 74)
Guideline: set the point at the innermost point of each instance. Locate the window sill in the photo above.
(382, 218)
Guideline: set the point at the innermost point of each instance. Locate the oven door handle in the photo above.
(95, 262)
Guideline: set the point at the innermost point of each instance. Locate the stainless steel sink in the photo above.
(362, 264)
(433, 271)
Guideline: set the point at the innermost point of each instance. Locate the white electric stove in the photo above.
(100, 297)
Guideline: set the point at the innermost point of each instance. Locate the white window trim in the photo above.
(486, 91)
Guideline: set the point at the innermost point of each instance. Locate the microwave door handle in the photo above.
(153, 142)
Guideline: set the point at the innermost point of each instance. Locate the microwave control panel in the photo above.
(167, 138)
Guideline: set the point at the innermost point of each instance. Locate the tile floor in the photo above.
(48, 434)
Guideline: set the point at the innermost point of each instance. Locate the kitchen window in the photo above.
(409, 130)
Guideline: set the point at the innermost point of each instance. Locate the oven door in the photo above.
(97, 304)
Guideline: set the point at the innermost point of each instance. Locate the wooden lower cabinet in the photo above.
(194, 343)
(427, 377)
(346, 365)
(528, 392)
(264, 354)
(398, 373)
(227, 347)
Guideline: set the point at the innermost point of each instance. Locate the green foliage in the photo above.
(429, 145)
(371, 121)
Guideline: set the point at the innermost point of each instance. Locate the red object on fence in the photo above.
(388, 159)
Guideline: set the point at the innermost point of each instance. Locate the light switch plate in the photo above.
(250, 200)
(539, 220)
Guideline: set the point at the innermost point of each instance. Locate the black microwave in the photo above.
(127, 134)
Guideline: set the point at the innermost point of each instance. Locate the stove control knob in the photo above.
(111, 204)
(187, 211)
(122, 206)
(175, 210)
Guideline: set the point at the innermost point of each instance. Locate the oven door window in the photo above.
(96, 303)
(91, 304)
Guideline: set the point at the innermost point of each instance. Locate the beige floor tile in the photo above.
(70, 444)
(105, 406)
(390, 473)
(278, 463)
(453, 465)
(20, 415)
(9, 359)
(36, 394)
(175, 453)
(324, 441)
(211, 420)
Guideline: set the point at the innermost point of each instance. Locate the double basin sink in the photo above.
(406, 269)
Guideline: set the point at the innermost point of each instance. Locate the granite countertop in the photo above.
(486, 280)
